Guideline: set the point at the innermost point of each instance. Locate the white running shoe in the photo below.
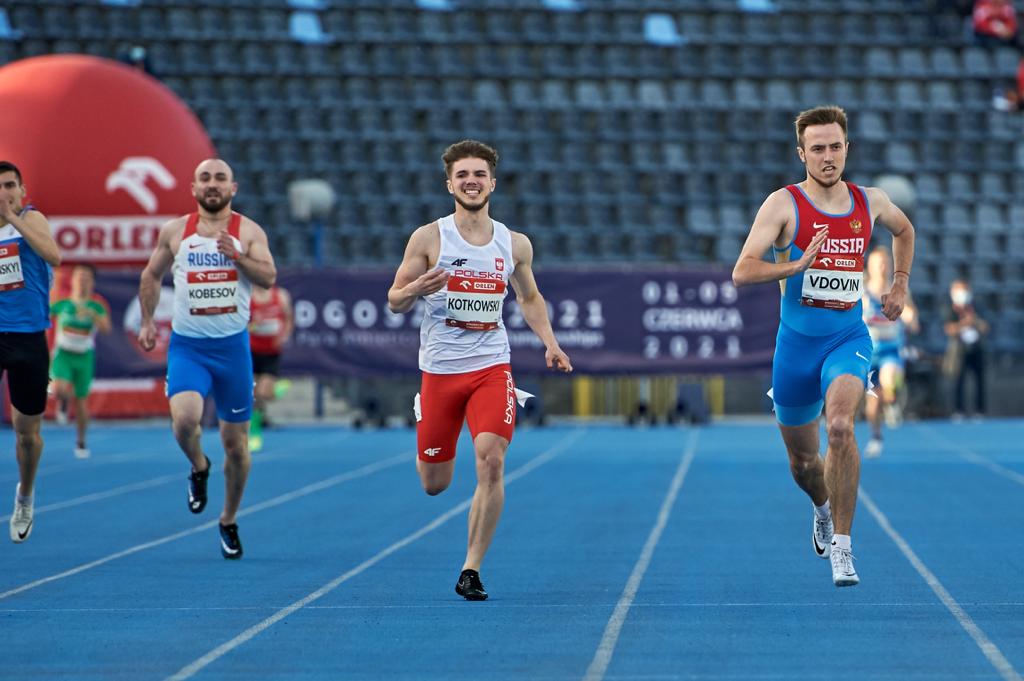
(21, 520)
(843, 573)
(82, 453)
(821, 535)
(61, 417)
(874, 448)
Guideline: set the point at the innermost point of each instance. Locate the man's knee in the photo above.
(840, 429)
(490, 468)
(27, 429)
(435, 476)
(802, 463)
(434, 481)
(185, 425)
(31, 439)
(434, 487)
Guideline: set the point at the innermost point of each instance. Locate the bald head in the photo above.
(214, 166)
(213, 185)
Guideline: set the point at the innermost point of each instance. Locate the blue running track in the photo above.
(642, 555)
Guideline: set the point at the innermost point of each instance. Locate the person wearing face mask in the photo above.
(965, 352)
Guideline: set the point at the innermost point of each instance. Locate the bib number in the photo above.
(11, 275)
(474, 304)
(212, 292)
(832, 289)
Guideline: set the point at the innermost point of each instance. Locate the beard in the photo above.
(213, 204)
(822, 182)
(472, 207)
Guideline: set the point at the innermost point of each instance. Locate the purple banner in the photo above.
(610, 320)
(118, 354)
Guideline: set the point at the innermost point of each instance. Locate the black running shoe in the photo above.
(470, 587)
(197, 488)
(230, 544)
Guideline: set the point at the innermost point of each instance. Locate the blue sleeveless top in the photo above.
(26, 277)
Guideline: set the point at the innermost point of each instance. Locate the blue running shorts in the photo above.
(221, 365)
(805, 366)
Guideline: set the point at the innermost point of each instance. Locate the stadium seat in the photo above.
(305, 27)
(977, 62)
(660, 29)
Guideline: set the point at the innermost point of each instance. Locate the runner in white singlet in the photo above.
(217, 255)
(461, 266)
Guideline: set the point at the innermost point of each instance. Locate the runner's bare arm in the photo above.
(532, 304)
(36, 230)
(896, 221)
(152, 276)
(255, 260)
(103, 324)
(771, 221)
(414, 277)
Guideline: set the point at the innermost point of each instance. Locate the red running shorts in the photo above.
(485, 398)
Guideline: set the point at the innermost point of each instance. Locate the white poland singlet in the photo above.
(211, 297)
(462, 329)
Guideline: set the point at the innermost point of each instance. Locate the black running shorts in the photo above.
(265, 364)
(26, 359)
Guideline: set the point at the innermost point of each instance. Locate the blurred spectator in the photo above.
(965, 352)
(995, 23)
(136, 57)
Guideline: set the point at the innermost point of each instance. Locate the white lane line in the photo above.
(83, 466)
(223, 649)
(135, 486)
(122, 457)
(988, 648)
(99, 496)
(524, 606)
(255, 508)
(603, 656)
(974, 457)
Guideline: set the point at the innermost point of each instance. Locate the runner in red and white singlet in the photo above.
(217, 256)
(270, 327)
(820, 230)
(461, 265)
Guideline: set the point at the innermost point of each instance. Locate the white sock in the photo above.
(21, 498)
(842, 541)
(823, 511)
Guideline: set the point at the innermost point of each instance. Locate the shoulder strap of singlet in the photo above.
(190, 225)
(25, 210)
(235, 226)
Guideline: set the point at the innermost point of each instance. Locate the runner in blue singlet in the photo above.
(27, 254)
(889, 338)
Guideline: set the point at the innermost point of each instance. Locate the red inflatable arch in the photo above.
(107, 152)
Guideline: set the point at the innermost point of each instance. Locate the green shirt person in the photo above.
(78, 319)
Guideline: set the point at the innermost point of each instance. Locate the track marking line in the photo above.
(223, 649)
(603, 656)
(988, 648)
(361, 472)
(974, 457)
